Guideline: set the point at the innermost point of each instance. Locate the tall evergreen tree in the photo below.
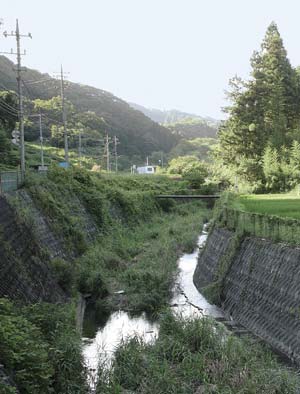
(264, 109)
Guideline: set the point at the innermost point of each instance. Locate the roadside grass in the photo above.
(142, 260)
(284, 205)
(195, 356)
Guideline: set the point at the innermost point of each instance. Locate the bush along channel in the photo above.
(108, 239)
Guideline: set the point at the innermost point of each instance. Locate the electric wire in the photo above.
(33, 82)
(28, 91)
(5, 89)
(8, 111)
(9, 107)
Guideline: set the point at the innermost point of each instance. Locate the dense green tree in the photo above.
(8, 118)
(264, 110)
(8, 111)
(8, 156)
(188, 166)
(271, 167)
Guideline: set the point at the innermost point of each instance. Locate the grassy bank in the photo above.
(265, 216)
(283, 205)
(114, 236)
(195, 356)
(141, 260)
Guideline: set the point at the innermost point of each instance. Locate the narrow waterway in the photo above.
(100, 340)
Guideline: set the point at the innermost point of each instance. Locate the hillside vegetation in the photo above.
(90, 108)
(202, 148)
(190, 128)
(171, 116)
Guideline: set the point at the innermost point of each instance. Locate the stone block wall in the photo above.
(24, 271)
(261, 289)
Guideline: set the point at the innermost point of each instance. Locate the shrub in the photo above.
(23, 351)
(91, 282)
(63, 273)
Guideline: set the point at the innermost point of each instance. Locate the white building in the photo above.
(146, 170)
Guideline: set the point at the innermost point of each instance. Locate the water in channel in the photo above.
(101, 340)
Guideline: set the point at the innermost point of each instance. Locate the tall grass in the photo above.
(196, 356)
(142, 260)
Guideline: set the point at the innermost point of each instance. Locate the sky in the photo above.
(165, 54)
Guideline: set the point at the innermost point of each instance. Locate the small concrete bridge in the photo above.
(189, 196)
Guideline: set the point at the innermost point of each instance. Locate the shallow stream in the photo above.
(100, 340)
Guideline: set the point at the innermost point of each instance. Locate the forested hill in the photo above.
(190, 128)
(138, 134)
(172, 116)
(183, 124)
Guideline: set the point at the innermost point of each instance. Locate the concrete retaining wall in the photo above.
(261, 288)
(24, 271)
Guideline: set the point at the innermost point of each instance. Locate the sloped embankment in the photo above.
(73, 231)
(258, 282)
(24, 272)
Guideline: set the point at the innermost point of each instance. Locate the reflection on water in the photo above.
(189, 302)
(119, 327)
(108, 332)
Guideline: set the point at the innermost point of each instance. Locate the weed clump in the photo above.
(192, 356)
(40, 348)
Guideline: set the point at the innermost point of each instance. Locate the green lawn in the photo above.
(284, 205)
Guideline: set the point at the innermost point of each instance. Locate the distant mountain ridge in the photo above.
(172, 116)
(182, 124)
(138, 134)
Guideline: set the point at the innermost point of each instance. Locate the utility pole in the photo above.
(18, 36)
(41, 140)
(107, 152)
(116, 142)
(79, 148)
(64, 115)
(61, 75)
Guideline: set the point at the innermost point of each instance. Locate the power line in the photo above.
(5, 104)
(33, 82)
(8, 111)
(6, 89)
(52, 120)
(26, 87)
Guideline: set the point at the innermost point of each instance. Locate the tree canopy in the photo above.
(264, 111)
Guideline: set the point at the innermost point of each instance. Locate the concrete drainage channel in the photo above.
(101, 342)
